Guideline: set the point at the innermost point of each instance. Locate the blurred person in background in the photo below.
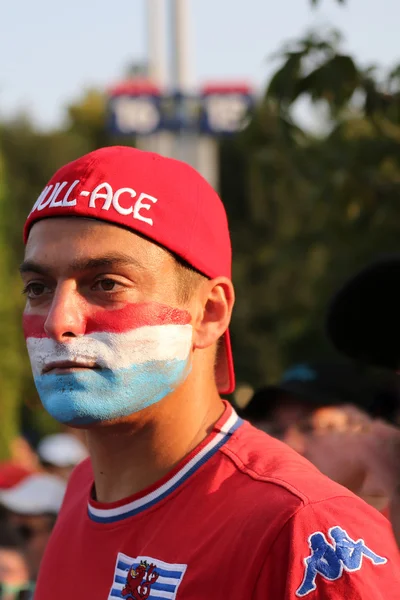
(23, 454)
(325, 411)
(274, 408)
(32, 506)
(60, 453)
(305, 387)
(10, 474)
(15, 582)
(363, 323)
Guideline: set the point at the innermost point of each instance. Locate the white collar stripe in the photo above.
(110, 515)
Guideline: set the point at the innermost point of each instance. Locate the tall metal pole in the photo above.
(181, 45)
(157, 56)
(184, 142)
(200, 151)
(157, 41)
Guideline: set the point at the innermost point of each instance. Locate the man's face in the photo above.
(35, 531)
(106, 333)
(329, 438)
(13, 570)
(288, 411)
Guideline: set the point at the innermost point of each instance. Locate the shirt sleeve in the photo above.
(336, 549)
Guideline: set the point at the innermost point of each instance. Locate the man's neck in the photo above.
(128, 457)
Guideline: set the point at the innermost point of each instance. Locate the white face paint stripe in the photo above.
(115, 350)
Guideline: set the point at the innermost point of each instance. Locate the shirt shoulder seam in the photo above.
(262, 477)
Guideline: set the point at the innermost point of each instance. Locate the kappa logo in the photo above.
(103, 196)
(145, 577)
(329, 560)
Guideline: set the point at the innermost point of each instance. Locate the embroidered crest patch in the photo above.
(144, 577)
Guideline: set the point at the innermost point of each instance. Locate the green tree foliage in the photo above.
(324, 204)
(315, 66)
(11, 360)
(29, 159)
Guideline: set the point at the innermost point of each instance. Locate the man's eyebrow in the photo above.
(29, 266)
(107, 260)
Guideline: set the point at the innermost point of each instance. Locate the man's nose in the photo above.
(66, 317)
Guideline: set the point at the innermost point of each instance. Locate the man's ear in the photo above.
(217, 297)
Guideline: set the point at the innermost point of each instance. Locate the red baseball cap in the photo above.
(11, 474)
(163, 199)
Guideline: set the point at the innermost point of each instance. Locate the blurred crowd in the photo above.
(343, 420)
(32, 488)
(337, 415)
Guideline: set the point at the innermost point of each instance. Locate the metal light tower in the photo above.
(157, 56)
(164, 110)
(198, 150)
(180, 46)
(157, 41)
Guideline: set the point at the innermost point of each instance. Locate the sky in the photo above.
(50, 52)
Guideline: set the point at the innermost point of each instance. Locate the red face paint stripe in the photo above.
(124, 319)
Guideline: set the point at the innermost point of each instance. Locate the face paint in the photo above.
(138, 354)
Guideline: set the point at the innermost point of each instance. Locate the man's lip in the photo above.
(67, 365)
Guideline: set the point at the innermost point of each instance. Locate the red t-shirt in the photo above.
(242, 517)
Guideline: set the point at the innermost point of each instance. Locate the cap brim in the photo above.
(224, 368)
(61, 450)
(35, 495)
(265, 400)
(21, 503)
(304, 391)
(16, 502)
(363, 320)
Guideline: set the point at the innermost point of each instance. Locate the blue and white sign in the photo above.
(219, 110)
(135, 115)
(225, 112)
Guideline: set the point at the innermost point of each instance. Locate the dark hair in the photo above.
(381, 399)
(386, 406)
(9, 537)
(260, 406)
(188, 277)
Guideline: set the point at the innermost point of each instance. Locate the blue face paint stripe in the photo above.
(195, 467)
(91, 396)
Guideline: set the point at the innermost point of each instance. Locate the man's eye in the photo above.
(35, 290)
(105, 285)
